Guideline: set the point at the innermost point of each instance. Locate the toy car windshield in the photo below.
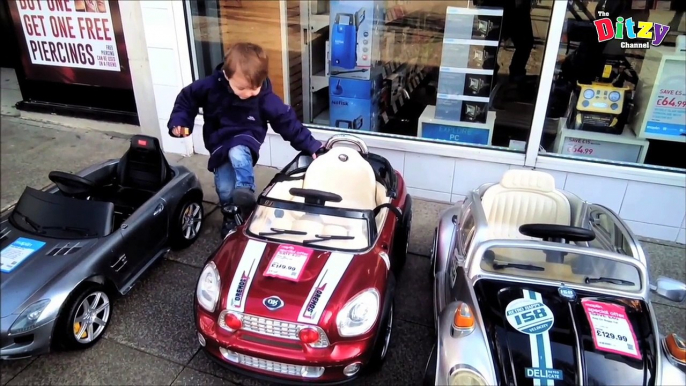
(563, 266)
(312, 225)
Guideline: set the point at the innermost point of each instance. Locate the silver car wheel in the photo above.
(389, 330)
(191, 220)
(93, 310)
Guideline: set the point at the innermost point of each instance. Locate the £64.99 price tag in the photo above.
(288, 262)
(611, 329)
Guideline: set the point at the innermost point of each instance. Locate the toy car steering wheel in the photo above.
(71, 184)
(316, 197)
(349, 139)
(555, 232)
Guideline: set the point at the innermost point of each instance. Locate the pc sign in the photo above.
(651, 33)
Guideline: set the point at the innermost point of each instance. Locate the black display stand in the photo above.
(66, 99)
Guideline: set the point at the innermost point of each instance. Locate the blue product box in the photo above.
(461, 81)
(473, 23)
(354, 103)
(355, 34)
(455, 133)
(461, 108)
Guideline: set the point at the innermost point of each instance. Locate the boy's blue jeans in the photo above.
(237, 173)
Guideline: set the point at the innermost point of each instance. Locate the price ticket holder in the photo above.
(661, 94)
(624, 147)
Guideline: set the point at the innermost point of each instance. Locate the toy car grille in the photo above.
(281, 329)
(280, 368)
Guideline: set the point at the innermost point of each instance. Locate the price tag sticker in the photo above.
(288, 262)
(611, 329)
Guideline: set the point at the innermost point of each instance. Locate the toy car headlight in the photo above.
(208, 287)
(466, 377)
(359, 313)
(29, 317)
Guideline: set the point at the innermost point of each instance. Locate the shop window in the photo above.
(463, 72)
(619, 89)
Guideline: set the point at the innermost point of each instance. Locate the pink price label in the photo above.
(611, 328)
(288, 262)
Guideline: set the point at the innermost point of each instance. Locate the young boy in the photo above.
(237, 101)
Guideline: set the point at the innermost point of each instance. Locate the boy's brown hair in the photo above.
(248, 58)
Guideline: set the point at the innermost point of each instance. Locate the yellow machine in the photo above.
(600, 107)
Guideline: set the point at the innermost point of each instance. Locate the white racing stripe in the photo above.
(541, 354)
(324, 286)
(244, 275)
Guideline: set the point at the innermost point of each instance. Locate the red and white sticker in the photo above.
(611, 329)
(288, 262)
(324, 286)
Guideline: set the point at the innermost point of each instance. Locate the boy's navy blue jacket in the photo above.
(231, 121)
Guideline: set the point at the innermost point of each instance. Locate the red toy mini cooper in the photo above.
(303, 291)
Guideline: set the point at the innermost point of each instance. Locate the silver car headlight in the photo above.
(466, 376)
(208, 289)
(29, 317)
(359, 314)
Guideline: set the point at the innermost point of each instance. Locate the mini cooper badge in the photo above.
(567, 293)
(273, 303)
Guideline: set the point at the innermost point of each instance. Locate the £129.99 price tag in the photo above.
(611, 329)
(288, 262)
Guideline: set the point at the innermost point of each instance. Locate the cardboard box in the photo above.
(356, 29)
(354, 103)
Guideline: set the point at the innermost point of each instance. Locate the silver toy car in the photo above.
(534, 286)
(68, 249)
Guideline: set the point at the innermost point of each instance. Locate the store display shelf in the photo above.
(623, 147)
(319, 81)
(322, 119)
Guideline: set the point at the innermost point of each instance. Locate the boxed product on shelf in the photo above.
(354, 103)
(355, 36)
(463, 81)
(474, 54)
(473, 23)
(461, 108)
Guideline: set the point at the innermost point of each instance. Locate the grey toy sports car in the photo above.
(535, 286)
(70, 247)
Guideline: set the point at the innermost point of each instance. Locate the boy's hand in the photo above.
(179, 131)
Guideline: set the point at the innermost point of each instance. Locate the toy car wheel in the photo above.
(84, 319)
(383, 342)
(434, 251)
(402, 237)
(187, 224)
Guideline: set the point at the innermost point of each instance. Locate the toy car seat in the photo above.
(144, 165)
(343, 171)
(523, 197)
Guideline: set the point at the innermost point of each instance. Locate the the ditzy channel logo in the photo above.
(651, 33)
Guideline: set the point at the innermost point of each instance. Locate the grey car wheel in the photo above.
(187, 223)
(92, 316)
(387, 336)
(83, 320)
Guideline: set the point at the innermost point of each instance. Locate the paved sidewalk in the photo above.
(152, 337)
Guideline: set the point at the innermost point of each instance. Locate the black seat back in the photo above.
(144, 165)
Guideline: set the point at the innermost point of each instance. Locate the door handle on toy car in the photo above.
(158, 209)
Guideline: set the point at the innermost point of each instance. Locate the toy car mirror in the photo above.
(670, 289)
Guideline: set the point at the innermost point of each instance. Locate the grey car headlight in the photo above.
(466, 376)
(29, 317)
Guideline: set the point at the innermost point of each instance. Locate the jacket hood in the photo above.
(219, 74)
(538, 334)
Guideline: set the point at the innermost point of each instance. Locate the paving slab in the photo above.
(156, 317)
(670, 319)
(413, 294)
(10, 369)
(192, 377)
(424, 220)
(107, 363)
(666, 260)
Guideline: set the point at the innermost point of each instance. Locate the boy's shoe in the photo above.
(244, 198)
